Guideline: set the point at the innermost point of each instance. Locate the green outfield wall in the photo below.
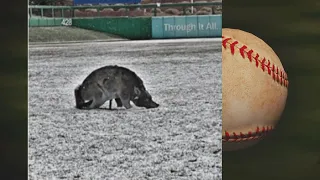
(46, 22)
(128, 27)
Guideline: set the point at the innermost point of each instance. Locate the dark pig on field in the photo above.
(112, 82)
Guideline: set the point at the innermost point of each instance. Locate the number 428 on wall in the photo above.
(66, 22)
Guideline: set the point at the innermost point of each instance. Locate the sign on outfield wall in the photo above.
(66, 22)
(187, 26)
(95, 2)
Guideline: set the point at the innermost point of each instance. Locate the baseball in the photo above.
(254, 89)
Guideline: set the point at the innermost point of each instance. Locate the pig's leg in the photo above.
(125, 99)
(98, 100)
(110, 104)
(118, 101)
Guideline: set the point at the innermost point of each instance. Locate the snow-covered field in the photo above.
(179, 140)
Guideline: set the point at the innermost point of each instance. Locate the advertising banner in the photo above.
(187, 26)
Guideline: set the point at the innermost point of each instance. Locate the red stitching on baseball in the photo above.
(236, 137)
(277, 74)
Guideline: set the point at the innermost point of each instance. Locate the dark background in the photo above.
(13, 96)
(292, 29)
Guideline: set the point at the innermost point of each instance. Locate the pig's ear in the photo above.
(136, 91)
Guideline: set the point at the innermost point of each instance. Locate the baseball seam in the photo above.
(277, 74)
(258, 133)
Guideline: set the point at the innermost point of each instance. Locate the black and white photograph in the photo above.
(125, 110)
(125, 90)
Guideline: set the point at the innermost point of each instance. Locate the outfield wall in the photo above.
(186, 26)
(136, 28)
(133, 27)
(47, 22)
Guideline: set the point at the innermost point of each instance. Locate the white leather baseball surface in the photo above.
(254, 89)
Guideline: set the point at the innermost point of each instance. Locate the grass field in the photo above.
(63, 34)
(179, 140)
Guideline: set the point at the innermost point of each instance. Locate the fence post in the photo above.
(72, 12)
(52, 11)
(41, 12)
